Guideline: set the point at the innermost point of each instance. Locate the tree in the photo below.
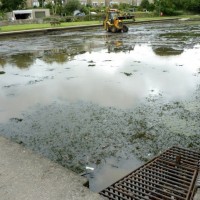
(124, 6)
(145, 4)
(167, 7)
(151, 7)
(71, 6)
(0, 6)
(193, 5)
(56, 7)
(179, 4)
(9, 5)
(41, 2)
(170, 7)
(84, 9)
(1, 12)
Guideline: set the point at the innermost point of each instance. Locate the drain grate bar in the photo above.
(170, 182)
(167, 185)
(153, 185)
(172, 175)
(166, 175)
(190, 158)
(137, 193)
(184, 172)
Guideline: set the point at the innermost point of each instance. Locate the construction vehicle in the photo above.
(113, 21)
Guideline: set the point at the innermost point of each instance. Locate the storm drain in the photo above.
(170, 176)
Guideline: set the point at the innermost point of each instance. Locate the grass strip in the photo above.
(21, 27)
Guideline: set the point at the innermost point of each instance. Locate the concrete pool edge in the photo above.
(74, 28)
(26, 175)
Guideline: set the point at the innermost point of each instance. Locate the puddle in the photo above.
(108, 101)
(109, 172)
(124, 81)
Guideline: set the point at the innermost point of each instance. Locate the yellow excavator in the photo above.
(113, 21)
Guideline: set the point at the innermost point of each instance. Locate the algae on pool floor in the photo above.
(83, 98)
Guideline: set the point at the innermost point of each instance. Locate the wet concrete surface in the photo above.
(108, 101)
(25, 175)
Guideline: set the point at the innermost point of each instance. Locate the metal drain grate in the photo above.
(170, 176)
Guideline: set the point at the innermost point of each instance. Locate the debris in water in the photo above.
(127, 74)
(90, 168)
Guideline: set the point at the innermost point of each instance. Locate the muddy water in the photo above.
(107, 101)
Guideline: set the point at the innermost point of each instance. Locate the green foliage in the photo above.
(115, 6)
(41, 2)
(166, 7)
(144, 15)
(145, 4)
(84, 9)
(9, 5)
(48, 6)
(71, 6)
(151, 7)
(179, 4)
(171, 7)
(193, 5)
(124, 6)
(2, 15)
(97, 9)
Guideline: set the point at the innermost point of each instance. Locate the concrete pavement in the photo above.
(25, 175)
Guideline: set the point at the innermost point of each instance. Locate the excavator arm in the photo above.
(126, 17)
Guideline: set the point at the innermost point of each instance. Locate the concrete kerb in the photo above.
(158, 21)
(26, 175)
(46, 30)
(197, 195)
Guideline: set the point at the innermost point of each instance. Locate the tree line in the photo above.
(167, 7)
(172, 7)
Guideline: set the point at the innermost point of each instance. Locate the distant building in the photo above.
(138, 2)
(110, 2)
(35, 3)
(30, 14)
(32, 3)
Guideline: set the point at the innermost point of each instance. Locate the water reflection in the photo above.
(2, 61)
(118, 46)
(55, 55)
(106, 78)
(22, 60)
(61, 55)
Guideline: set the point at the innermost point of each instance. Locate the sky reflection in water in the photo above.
(120, 78)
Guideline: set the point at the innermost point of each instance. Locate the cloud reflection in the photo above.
(105, 83)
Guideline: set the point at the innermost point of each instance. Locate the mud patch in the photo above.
(179, 34)
(16, 119)
(127, 74)
(167, 51)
